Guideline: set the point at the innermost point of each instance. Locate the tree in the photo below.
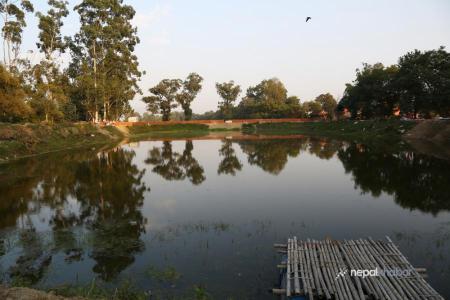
(13, 13)
(373, 93)
(293, 108)
(191, 87)
(104, 65)
(163, 98)
(423, 81)
(268, 98)
(312, 109)
(49, 98)
(229, 93)
(13, 107)
(328, 104)
(50, 39)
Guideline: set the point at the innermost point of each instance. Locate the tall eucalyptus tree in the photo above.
(104, 66)
(13, 21)
(49, 97)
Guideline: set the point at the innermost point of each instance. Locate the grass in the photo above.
(363, 131)
(29, 139)
(168, 274)
(168, 131)
(125, 291)
(21, 140)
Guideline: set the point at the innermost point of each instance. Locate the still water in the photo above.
(172, 216)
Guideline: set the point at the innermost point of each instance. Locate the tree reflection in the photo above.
(230, 163)
(416, 181)
(175, 166)
(271, 155)
(109, 193)
(324, 148)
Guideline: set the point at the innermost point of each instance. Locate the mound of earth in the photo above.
(431, 137)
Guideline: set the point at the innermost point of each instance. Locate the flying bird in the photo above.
(308, 18)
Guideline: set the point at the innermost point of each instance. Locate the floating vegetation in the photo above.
(169, 274)
(30, 266)
(170, 232)
(201, 293)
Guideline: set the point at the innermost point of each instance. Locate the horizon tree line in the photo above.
(102, 75)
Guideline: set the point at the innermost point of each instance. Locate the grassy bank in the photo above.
(166, 131)
(17, 140)
(30, 139)
(363, 131)
(21, 140)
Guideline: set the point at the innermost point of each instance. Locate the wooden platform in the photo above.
(331, 269)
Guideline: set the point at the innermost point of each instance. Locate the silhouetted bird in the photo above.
(308, 18)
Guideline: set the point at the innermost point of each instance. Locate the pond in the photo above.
(178, 215)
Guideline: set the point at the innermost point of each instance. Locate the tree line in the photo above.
(417, 86)
(268, 99)
(102, 75)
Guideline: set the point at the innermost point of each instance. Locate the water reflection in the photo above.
(230, 164)
(175, 166)
(93, 210)
(271, 155)
(109, 194)
(415, 181)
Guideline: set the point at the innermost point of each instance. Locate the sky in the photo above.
(249, 41)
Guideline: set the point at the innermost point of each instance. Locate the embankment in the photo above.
(21, 140)
(431, 137)
(364, 131)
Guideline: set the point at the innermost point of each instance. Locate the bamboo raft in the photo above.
(327, 270)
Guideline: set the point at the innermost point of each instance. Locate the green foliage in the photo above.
(191, 87)
(312, 109)
(13, 17)
(104, 68)
(423, 82)
(373, 93)
(418, 85)
(50, 39)
(163, 97)
(265, 100)
(363, 131)
(13, 107)
(229, 93)
(328, 104)
(48, 97)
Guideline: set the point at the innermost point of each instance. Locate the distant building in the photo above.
(133, 119)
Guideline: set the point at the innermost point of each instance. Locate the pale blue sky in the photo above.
(248, 41)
